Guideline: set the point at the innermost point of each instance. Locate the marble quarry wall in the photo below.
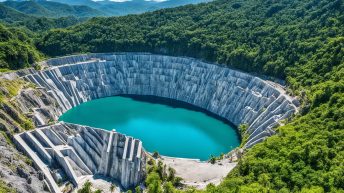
(72, 151)
(236, 96)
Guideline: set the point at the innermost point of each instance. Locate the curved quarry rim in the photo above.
(84, 59)
(260, 90)
(273, 82)
(47, 66)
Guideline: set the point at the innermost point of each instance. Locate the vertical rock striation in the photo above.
(81, 151)
(236, 96)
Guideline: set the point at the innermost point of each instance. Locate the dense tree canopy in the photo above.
(51, 9)
(16, 49)
(13, 17)
(306, 154)
(264, 36)
(301, 41)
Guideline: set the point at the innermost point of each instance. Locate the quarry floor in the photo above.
(199, 174)
(100, 183)
(195, 173)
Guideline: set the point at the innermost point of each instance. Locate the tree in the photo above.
(153, 183)
(212, 159)
(168, 187)
(177, 182)
(156, 154)
(161, 169)
(112, 187)
(300, 42)
(171, 174)
(138, 189)
(86, 188)
(17, 50)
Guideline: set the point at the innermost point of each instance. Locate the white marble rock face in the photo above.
(81, 151)
(236, 96)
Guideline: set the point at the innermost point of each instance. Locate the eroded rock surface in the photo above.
(16, 171)
(67, 152)
(18, 103)
(236, 96)
(66, 82)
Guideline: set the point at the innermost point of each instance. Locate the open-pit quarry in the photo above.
(73, 153)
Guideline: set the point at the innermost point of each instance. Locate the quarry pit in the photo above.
(80, 151)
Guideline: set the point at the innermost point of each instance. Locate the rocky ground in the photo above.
(199, 174)
(16, 171)
(101, 183)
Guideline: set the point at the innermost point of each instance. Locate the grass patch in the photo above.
(8, 139)
(4, 188)
(9, 88)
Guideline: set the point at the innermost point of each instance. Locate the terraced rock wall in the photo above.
(236, 96)
(81, 151)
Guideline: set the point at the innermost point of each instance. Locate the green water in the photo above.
(175, 132)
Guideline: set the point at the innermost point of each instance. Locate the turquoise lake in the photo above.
(170, 130)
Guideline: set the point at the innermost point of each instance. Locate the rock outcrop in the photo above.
(18, 104)
(236, 96)
(16, 171)
(77, 151)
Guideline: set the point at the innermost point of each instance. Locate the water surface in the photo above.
(172, 131)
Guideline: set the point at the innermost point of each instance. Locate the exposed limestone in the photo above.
(81, 151)
(236, 96)
(78, 152)
(38, 104)
(15, 171)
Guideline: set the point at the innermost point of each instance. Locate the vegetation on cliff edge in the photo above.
(301, 41)
(16, 49)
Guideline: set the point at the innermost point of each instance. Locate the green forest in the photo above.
(17, 49)
(299, 41)
(51, 9)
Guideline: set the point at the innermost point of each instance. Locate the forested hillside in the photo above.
(16, 49)
(259, 36)
(90, 8)
(8, 14)
(52, 9)
(301, 41)
(125, 7)
(13, 17)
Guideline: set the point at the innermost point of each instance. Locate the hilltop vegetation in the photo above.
(306, 155)
(10, 16)
(90, 8)
(125, 7)
(267, 37)
(16, 49)
(51, 9)
(301, 41)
